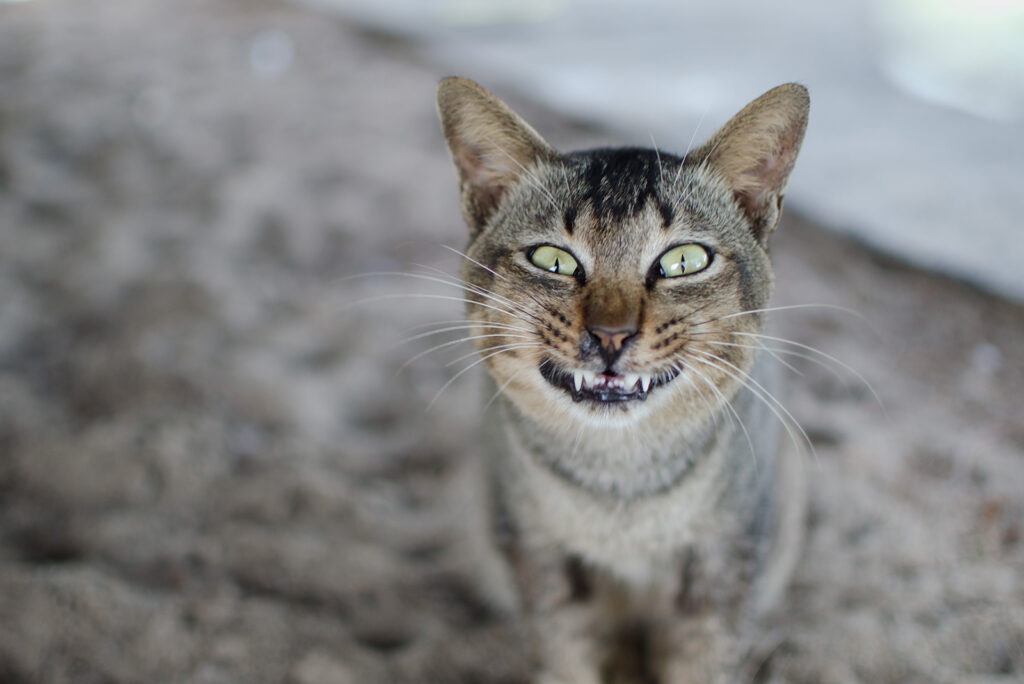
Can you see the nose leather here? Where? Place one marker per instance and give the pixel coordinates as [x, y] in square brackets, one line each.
[610, 341]
[612, 318]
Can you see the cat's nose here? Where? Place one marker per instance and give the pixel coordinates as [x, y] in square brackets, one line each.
[611, 340]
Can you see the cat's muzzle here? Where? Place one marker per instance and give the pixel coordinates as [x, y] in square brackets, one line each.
[604, 386]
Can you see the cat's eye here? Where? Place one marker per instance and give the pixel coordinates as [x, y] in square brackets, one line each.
[554, 260]
[683, 260]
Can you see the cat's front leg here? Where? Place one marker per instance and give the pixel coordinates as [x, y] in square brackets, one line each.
[696, 649]
[567, 648]
[561, 606]
[697, 632]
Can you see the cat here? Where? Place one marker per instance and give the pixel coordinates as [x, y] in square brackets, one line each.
[646, 511]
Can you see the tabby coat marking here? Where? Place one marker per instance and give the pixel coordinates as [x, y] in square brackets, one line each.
[616, 296]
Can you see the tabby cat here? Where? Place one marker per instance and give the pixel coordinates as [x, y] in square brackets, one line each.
[616, 298]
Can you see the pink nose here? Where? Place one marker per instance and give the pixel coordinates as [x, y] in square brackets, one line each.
[611, 339]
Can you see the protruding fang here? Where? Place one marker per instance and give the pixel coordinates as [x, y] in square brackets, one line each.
[604, 387]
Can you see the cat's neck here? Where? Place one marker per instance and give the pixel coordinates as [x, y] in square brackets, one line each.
[646, 457]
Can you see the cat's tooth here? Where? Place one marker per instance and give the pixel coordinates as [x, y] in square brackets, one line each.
[645, 382]
[590, 378]
[629, 380]
[577, 379]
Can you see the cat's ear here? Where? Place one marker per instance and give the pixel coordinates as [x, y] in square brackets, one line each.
[755, 151]
[492, 147]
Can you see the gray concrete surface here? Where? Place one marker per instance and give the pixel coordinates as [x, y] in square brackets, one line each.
[916, 140]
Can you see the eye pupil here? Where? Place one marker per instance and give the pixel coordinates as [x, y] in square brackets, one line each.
[683, 260]
[554, 260]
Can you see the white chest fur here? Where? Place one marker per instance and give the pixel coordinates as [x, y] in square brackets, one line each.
[633, 537]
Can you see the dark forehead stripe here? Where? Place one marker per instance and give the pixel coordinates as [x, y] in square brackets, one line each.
[619, 182]
[667, 212]
[570, 220]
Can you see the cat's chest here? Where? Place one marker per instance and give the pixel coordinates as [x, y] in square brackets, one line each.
[634, 538]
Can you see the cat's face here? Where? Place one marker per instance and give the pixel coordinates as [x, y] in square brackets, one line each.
[617, 282]
[615, 285]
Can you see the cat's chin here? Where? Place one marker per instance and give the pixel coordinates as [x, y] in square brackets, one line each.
[604, 388]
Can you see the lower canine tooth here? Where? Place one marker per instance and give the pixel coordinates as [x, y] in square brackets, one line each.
[577, 379]
[629, 380]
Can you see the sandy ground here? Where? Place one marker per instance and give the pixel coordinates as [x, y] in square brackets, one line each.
[212, 470]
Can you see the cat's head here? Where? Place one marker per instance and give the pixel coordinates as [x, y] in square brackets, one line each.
[617, 284]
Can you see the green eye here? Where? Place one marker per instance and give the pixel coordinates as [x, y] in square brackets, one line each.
[683, 260]
[555, 260]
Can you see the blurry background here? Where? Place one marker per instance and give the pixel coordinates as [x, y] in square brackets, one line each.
[216, 464]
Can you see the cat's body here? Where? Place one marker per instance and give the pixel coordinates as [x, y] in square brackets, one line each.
[616, 297]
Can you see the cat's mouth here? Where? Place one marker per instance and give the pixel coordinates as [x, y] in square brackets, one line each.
[604, 386]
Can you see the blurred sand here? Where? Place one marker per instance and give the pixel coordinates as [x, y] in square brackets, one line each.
[211, 469]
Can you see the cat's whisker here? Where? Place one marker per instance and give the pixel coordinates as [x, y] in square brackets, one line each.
[477, 288]
[774, 353]
[685, 371]
[500, 347]
[471, 287]
[682, 164]
[423, 295]
[751, 312]
[530, 175]
[474, 261]
[447, 281]
[484, 292]
[791, 307]
[708, 401]
[696, 129]
[828, 357]
[693, 177]
[728, 405]
[657, 155]
[483, 357]
[574, 449]
[699, 309]
[467, 323]
[480, 336]
[462, 283]
[565, 178]
[451, 343]
[746, 380]
[456, 281]
[442, 278]
[735, 415]
[759, 391]
[460, 325]
[501, 389]
[502, 332]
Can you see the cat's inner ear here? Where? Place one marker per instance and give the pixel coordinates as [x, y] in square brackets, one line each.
[755, 151]
[491, 145]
